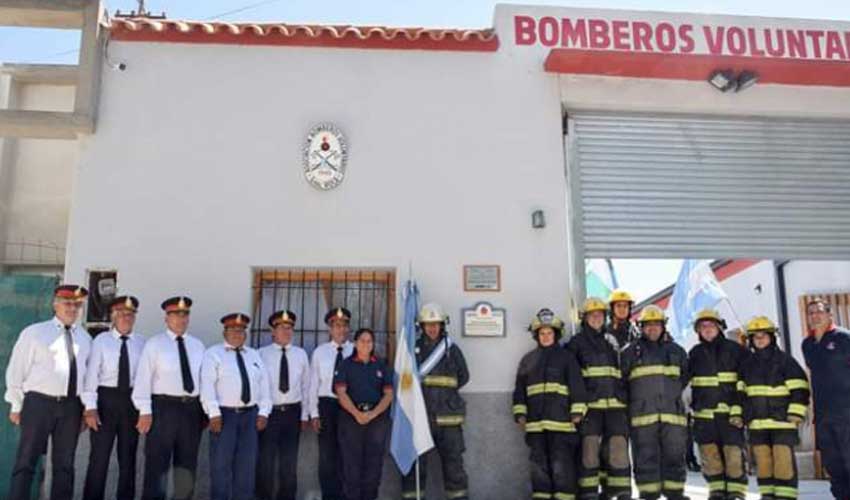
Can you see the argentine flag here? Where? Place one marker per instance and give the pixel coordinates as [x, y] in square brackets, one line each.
[697, 288]
[411, 435]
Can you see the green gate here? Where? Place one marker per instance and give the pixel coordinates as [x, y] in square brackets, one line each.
[24, 299]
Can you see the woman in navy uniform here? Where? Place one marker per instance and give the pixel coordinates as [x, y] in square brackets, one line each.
[364, 387]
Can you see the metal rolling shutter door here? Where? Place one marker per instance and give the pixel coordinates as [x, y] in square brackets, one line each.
[657, 186]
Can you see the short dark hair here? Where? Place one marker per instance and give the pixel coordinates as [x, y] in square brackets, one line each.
[816, 301]
[361, 331]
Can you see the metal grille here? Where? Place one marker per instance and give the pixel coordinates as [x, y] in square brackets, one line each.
[838, 302]
[368, 293]
[655, 186]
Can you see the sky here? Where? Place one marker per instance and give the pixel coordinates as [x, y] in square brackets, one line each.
[58, 46]
[643, 277]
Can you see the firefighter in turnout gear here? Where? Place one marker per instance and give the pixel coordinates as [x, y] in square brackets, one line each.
[619, 326]
[655, 370]
[443, 372]
[606, 421]
[620, 305]
[776, 401]
[548, 403]
[717, 406]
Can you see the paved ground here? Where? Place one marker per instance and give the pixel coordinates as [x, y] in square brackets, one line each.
[809, 490]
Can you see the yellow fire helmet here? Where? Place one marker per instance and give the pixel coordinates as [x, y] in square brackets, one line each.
[619, 295]
[760, 324]
[709, 314]
[593, 304]
[545, 317]
[651, 313]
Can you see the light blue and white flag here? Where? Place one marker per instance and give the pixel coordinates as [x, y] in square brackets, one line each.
[600, 278]
[411, 435]
[697, 288]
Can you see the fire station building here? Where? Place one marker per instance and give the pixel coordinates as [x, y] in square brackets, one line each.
[260, 166]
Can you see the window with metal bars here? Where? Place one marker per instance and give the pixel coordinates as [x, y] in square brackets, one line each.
[839, 303]
[368, 293]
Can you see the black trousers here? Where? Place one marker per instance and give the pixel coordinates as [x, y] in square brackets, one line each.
[659, 457]
[277, 467]
[330, 459]
[596, 430]
[118, 418]
[449, 445]
[833, 441]
[44, 417]
[363, 448]
[173, 441]
[554, 472]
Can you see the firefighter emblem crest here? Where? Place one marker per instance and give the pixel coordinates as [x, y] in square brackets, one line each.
[325, 156]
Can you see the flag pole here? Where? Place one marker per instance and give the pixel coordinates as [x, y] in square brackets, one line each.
[418, 490]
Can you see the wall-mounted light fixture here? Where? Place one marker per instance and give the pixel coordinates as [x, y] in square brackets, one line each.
[746, 79]
[538, 219]
[725, 80]
[722, 79]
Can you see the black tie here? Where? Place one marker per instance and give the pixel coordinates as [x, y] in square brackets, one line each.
[124, 366]
[72, 363]
[283, 385]
[243, 374]
[338, 358]
[185, 371]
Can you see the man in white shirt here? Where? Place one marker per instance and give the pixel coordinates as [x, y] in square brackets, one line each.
[110, 413]
[324, 407]
[166, 389]
[235, 396]
[289, 377]
[44, 380]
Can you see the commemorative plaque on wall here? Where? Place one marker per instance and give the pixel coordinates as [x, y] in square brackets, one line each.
[482, 278]
[483, 320]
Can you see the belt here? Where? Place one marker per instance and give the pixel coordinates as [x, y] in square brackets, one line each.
[238, 409]
[365, 406]
[287, 407]
[114, 390]
[50, 397]
[174, 399]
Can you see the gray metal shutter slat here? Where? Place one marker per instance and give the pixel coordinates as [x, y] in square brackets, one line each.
[654, 186]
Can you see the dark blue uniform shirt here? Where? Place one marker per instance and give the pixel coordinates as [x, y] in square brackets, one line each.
[364, 381]
[829, 362]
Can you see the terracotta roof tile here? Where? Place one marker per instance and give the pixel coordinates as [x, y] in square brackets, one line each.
[307, 35]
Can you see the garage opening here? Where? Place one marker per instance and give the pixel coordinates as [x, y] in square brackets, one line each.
[675, 186]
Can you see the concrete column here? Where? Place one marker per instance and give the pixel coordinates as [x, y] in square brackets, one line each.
[8, 157]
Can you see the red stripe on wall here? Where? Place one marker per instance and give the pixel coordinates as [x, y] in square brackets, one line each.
[696, 67]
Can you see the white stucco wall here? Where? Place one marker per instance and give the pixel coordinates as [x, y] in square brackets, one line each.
[194, 177]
